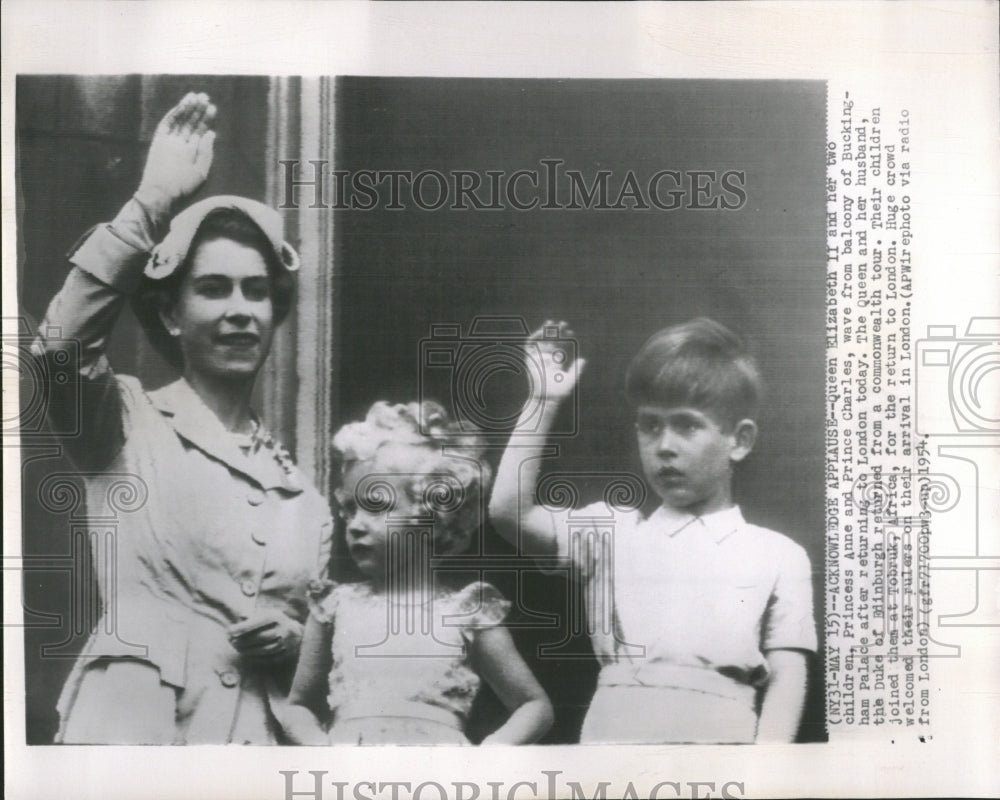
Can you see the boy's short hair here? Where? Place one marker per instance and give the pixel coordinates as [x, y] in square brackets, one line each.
[698, 363]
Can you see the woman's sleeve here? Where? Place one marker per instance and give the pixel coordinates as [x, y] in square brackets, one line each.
[84, 403]
[324, 561]
[480, 606]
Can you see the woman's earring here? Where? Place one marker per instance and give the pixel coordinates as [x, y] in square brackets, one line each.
[174, 332]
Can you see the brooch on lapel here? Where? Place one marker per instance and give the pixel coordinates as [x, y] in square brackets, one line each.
[266, 440]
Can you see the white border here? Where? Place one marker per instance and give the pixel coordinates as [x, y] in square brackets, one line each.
[940, 60]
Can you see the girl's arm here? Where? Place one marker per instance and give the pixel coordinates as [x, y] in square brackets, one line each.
[513, 510]
[784, 696]
[309, 686]
[107, 267]
[497, 661]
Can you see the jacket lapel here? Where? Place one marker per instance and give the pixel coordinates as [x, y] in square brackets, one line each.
[195, 423]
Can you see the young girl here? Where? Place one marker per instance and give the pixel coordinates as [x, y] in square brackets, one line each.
[397, 659]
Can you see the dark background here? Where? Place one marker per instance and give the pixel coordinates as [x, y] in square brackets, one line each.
[616, 276]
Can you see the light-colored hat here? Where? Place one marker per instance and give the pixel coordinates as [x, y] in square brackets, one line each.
[169, 254]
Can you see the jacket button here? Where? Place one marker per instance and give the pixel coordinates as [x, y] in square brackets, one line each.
[229, 679]
[258, 537]
[249, 588]
[255, 497]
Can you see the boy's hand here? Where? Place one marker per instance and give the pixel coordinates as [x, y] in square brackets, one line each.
[180, 154]
[559, 372]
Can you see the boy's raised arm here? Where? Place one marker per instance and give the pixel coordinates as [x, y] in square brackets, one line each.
[513, 510]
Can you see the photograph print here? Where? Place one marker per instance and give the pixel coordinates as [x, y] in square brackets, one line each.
[432, 411]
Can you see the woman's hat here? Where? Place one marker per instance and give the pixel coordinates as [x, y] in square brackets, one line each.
[169, 254]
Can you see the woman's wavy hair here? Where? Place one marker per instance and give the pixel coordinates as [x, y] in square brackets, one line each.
[445, 466]
[154, 296]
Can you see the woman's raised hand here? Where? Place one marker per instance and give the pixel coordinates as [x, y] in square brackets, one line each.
[552, 347]
[180, 154]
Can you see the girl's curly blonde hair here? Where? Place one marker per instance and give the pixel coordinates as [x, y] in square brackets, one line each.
[445, 465]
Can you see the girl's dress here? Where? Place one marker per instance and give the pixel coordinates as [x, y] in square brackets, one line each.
[400, 672]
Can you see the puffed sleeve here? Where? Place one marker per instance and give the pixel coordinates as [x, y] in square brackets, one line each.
[479, 606]
[789, 622]
[322, 594]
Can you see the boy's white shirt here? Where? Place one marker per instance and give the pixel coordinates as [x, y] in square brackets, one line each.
[693, 594]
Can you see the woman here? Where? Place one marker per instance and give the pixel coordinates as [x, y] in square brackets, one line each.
[200, 629]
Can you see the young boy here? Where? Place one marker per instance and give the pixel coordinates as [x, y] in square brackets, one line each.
[692, 612]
